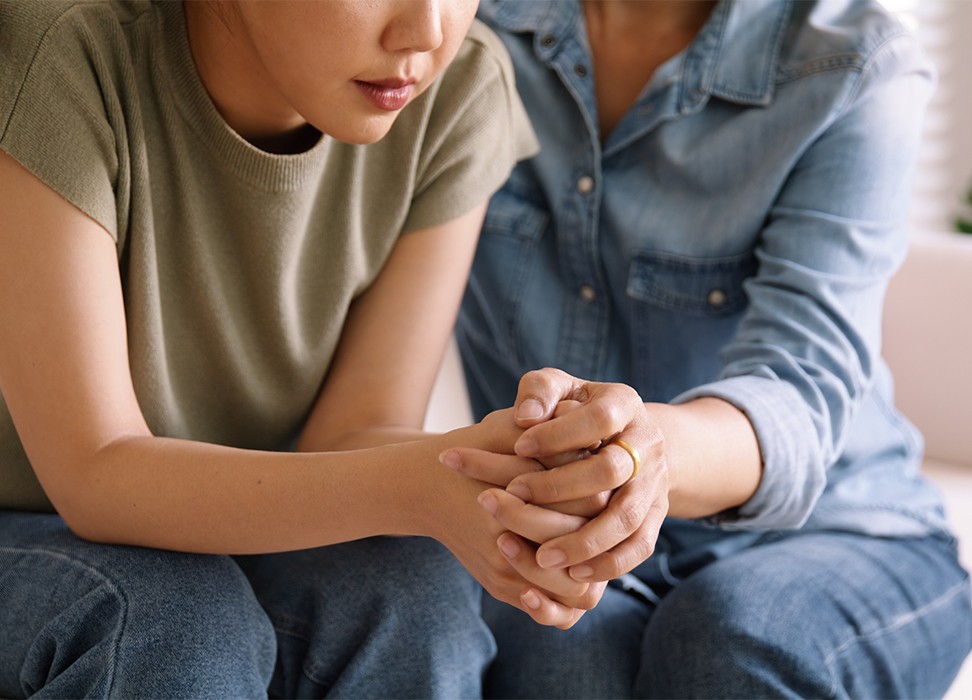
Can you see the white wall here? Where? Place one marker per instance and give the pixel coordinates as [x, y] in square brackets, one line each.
[449, 406]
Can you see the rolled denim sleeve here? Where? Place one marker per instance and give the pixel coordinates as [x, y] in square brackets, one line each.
[805, 353]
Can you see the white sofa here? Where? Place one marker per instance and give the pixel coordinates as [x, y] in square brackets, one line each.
[928, 343]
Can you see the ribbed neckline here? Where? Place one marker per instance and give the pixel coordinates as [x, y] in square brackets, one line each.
[267, 171]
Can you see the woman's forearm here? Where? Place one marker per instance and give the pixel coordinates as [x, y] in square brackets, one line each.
[191, 496]
[360, 439]
[713, 456]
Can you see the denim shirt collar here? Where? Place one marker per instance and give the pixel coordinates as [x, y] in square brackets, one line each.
[734, 57]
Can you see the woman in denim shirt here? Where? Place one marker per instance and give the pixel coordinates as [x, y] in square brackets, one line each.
[702, 248]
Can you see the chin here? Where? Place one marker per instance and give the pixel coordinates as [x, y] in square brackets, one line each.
[365, 132]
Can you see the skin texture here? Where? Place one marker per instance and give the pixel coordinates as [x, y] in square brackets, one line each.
[272, 68]
[64, 360]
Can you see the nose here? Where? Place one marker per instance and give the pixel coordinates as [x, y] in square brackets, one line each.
[416, 26]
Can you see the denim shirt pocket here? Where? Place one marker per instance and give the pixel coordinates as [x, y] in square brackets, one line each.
[683, 311]
[505, 258]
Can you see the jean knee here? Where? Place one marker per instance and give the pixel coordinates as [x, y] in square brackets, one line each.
[403, 605]
[131, 621]
[420, 582]
[202, 609]
[708, 638]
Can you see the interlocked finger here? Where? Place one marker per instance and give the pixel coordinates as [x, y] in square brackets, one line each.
[486, 466]
[624, 516]
[625, 556]
[522, 557]
[534, 523]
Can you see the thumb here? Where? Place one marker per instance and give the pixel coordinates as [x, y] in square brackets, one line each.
[539, 393]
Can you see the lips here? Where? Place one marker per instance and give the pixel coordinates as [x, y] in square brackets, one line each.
[389, 95]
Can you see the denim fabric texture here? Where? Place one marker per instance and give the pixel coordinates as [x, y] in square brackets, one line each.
[733, 236]
[809, 615]
[377, 618]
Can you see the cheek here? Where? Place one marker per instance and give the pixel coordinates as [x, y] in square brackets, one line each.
[457, 17]
[461, 14]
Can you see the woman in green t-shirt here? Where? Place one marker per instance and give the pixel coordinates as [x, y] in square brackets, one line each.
[233, 243]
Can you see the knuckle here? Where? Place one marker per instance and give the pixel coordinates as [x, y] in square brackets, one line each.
[629, 517]
[631, 395]
[644, 548]
[533, 375]
[589, 600]
[601, 500]
[544, 487]
[587, 547]
[614, 564]
[591, 506]
[604, 415]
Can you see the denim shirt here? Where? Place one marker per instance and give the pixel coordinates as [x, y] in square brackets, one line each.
[732, 237]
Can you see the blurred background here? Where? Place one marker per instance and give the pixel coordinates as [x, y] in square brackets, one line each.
[945, 170]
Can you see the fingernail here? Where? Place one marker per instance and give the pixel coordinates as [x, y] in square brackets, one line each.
[450, 458]
[549, 558]
[509, 546]
[581, 572]
[529, 410]
[526, 446]
[531, 600]
[488, 502]
[520, 490]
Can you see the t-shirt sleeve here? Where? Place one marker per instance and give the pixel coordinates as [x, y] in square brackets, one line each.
[477, 132]
[53, 115]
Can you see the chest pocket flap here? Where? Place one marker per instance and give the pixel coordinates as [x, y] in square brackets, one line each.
[697, 286]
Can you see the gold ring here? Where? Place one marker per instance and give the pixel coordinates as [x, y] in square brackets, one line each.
[634, 457]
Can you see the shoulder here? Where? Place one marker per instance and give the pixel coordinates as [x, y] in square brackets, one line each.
[64, 86]
[76, 41]
[851, 35]
[482, 57]
[27, 26]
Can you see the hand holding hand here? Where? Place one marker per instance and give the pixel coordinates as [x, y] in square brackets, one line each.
[500, 469]
[624, 533]
[503, 562]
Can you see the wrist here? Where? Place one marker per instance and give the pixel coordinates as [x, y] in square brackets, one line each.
[712, 455]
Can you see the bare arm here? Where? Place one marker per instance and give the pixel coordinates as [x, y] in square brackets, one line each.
[65, 376]
[393, 342]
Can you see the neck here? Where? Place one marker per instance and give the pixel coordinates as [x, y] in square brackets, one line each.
[629, 40]
[238, 84]
[667, 16]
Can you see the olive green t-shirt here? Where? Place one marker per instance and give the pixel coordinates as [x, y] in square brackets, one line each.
[238, 266]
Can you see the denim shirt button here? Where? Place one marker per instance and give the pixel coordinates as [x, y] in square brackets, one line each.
[717, 297]
[587, 293]
[580, 70]
[585, 184]
[548, 40]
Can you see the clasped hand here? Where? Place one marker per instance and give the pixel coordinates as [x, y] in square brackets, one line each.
[566, 498]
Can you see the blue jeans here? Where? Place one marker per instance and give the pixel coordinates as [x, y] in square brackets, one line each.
[811, 615]
[385, 617]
